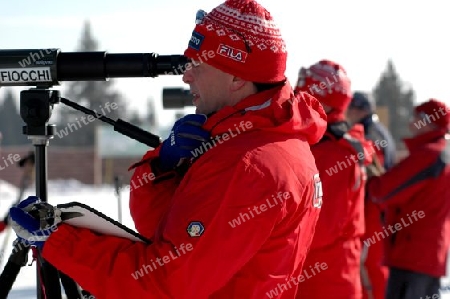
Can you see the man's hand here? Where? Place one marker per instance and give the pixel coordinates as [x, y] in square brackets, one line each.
[375, 168]
[185, 137]
[33, 221]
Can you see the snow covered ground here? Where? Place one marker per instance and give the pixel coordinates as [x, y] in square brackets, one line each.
[103, 199]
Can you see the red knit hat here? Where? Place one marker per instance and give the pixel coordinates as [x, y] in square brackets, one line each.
[328, 82]
[240, 37]
[435, 111]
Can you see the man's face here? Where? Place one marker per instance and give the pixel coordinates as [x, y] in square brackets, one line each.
[209, 86]
[354, 115]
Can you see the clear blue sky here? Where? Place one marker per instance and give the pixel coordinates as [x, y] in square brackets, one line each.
[360, 35]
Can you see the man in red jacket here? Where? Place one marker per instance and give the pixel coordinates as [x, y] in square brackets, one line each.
[416, 199]
[373, 273]
[341, 157]
[229, 201]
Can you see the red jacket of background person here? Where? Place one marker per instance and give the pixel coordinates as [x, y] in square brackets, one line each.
[340, 227]
[416, 199]
[344, 178]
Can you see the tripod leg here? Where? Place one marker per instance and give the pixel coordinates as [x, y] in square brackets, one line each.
[49, 278]
[70, 287]
[50, 275]
[5, 243]
[16, 261]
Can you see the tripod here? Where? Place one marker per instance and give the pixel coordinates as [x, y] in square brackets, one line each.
[36, 106]
[35, 109]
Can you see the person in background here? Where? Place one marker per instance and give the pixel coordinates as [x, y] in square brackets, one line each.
[373, 273]
[362, 111]
[232, 204]
[27, 165]
[3, 225]
[341, 157]
[416, 199]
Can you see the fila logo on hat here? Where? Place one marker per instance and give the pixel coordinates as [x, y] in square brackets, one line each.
[233, 53]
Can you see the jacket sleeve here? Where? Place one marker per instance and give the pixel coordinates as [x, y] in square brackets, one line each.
[150, 194]
[178, 265]
[400, 182]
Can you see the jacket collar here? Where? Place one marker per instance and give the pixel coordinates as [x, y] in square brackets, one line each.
[259, 104]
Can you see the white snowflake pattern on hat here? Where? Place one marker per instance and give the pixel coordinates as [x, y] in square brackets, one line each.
[249, 19]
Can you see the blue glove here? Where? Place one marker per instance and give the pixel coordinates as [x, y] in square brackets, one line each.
[186, 136]
[33, 221]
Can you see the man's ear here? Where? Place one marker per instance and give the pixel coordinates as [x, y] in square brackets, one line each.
[237, 83]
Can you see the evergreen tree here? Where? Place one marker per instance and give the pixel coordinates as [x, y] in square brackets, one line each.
[390, 92]
[135, 119]
[10, 122]
[96, 95]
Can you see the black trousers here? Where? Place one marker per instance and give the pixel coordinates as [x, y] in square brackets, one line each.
[405, 284]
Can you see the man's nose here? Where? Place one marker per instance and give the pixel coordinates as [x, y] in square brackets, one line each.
[187, 76]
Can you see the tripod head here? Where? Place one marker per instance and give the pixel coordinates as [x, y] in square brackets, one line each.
[36, 106]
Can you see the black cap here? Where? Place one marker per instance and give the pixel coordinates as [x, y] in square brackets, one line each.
[362, 101]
